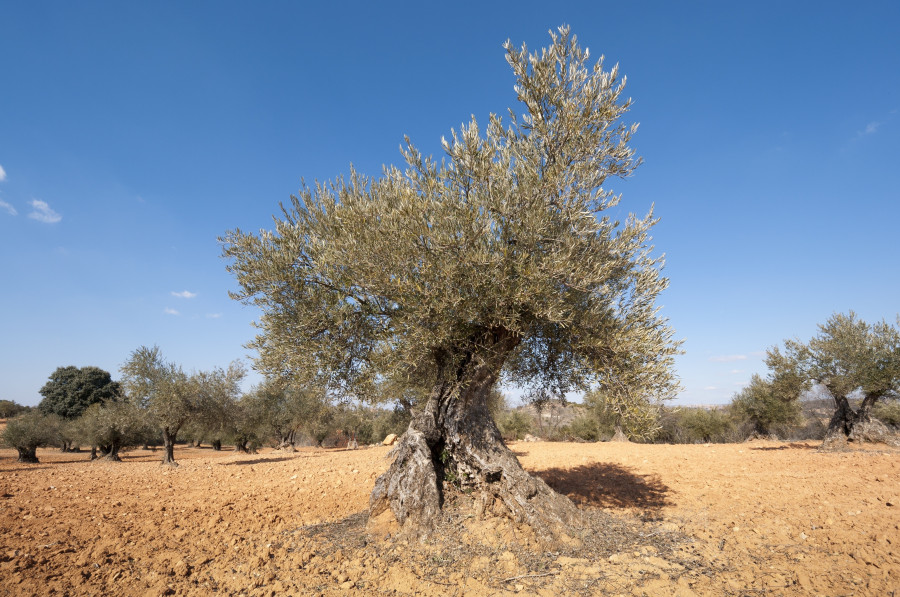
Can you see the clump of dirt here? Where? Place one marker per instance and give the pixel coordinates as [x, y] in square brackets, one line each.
[762, 517]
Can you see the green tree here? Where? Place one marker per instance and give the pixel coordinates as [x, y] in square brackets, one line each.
[29, 431]
[515, 423]
[112, 426]
[10, 408]
[71, 390]
[848, 356]
[623, 404]
[501, 260]
[171, 397]
[768, 404]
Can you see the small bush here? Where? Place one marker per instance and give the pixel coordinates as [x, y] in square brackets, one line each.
[888, 412]
[583, 427]
[514, 424]
[698, 426]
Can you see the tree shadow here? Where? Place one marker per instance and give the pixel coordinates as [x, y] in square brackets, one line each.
[790, 446]
[604, 485]
[257, 461]
[26, 467]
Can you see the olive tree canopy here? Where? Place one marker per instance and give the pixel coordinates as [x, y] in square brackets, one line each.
[850, 358]
[497, 261]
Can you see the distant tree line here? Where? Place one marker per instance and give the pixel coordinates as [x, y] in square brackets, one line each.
[157, 403]
[844, 384]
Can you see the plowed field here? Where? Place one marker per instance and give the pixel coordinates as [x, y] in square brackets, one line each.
[759, 518]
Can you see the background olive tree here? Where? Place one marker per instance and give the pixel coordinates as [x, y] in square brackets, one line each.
[29, 431]
[171, 397]
[848, 357]
[499, 261]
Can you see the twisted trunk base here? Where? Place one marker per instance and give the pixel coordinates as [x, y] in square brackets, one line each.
[857, 426]
[27, 454]
[454, 441]
[169, 436]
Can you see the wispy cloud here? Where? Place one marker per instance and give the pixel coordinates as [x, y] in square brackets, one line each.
[735, 371]
[871, 128]
[9, 208]
[710, 388]
[213, 315]
[184, 294]
[169, 311]
[43, 212]
[2, 174]
[728, 358]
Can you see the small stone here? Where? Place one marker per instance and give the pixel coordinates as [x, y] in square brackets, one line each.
[389, 439]
[347, 585]
[892, 501]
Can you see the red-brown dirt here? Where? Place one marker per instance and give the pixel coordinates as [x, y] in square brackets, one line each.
[760, 518]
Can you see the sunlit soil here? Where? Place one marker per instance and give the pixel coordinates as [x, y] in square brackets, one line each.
[759, 518]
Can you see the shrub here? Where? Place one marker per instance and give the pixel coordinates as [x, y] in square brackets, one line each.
[770, 410]
[583, 427]
[514, 424]
[888, 412]
[698, 425]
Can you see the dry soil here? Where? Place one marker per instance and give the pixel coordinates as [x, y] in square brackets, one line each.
[759, 518]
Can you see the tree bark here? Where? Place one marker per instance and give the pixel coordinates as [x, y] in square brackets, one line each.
[112, 454]
[217, 445]
[454, 440]
[27, 454]
[169, 446]
[847, 424]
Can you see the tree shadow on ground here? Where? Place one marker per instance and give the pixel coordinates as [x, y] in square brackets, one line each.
[604, 485]
[258, 461]
[790, 446]
[25, 467]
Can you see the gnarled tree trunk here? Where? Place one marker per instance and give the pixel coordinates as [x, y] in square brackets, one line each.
[454, 439]
[847, 424]
[27, 454]
[112, 454]
[169, 446]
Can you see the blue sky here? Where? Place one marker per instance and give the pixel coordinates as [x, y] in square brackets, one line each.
[132, 135]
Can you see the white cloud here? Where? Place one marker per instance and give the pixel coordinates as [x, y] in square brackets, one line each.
[735, 371]
[169, 311]
[12, 210]
[2, 174]
[43, 212]
[185, 294]
[710, 388]
[728, 358]
[872, 128]
[213, 315]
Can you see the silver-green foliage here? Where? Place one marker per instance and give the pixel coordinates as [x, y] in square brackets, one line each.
[370, 278]
[847, 356]
[768, 404]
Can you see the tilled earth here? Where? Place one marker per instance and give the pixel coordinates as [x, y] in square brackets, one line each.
[759, 518]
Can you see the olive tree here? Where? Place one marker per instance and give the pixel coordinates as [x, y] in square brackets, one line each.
[499, 261]
[171, 397]
[849, 357]
[29, 431]
[768, 404]
[112, 426]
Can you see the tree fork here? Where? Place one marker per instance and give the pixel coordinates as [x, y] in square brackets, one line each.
[455, 440]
